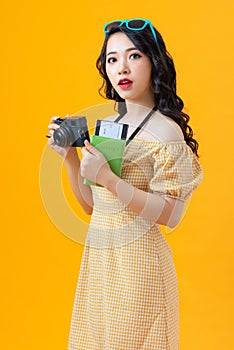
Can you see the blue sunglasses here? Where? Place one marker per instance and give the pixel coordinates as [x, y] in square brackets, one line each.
[131, 24]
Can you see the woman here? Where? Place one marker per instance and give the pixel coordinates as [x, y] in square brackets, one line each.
[126, 296]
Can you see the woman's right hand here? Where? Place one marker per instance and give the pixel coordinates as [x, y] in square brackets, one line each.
[63, 151]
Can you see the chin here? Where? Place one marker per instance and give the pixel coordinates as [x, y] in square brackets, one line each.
[126, 95]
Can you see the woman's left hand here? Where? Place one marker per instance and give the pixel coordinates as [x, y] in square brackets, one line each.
[94, 166]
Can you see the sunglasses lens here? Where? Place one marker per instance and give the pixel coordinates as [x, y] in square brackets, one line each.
[136, 24]
[132, 24]
[111, 25]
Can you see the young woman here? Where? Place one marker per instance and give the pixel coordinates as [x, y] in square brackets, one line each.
[126, 295]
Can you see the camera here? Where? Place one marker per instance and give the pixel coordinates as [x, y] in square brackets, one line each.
[72, 132]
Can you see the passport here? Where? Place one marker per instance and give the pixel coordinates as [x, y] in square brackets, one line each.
[113, 151]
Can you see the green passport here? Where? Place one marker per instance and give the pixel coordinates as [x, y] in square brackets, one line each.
[113, 151]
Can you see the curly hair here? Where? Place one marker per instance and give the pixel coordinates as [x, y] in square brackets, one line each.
[163, 79]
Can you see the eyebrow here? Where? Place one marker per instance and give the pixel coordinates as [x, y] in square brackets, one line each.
[127, 50]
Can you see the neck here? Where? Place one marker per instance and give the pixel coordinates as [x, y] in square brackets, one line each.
[137, 110]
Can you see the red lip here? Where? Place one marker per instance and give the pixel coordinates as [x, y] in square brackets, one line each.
[125, 83]
[122, 81]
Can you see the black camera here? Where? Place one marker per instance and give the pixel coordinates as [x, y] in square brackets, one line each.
[72, 132]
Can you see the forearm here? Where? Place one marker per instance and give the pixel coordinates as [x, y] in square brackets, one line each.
[81, 191]
[151, 206]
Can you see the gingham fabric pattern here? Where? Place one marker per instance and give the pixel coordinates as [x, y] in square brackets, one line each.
[126, 296]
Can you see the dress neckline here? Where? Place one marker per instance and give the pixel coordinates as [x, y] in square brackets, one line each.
[159, 142]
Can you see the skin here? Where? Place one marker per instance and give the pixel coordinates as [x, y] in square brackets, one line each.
[123, 61]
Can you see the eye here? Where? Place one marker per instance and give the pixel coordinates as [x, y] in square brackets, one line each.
[111, 60]
[135, 56]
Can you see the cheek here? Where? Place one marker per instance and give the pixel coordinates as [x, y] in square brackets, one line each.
[147, 73]
[142, 67]
[110, 73]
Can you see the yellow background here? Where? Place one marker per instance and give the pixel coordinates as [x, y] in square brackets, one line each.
[48, 53]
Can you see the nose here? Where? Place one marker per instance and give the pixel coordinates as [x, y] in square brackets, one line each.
[123, 67]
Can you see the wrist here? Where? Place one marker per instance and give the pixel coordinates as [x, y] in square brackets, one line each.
[110, 181]
[71, 156]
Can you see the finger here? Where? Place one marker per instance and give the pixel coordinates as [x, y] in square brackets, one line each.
[67, 116]
[53, 126]
[90, 148]
[84, 152]
[54, 118]
[51, 141]
[87, 144]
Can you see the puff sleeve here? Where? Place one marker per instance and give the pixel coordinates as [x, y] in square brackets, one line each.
[176, 171]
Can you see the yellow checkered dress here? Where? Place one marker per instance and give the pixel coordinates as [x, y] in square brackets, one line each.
[126, 297]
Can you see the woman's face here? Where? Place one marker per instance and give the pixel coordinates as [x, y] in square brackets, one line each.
[129, 70]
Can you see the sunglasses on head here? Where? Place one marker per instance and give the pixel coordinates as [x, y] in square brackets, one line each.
[131, 24]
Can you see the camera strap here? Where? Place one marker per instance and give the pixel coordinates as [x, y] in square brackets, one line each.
[140, 126]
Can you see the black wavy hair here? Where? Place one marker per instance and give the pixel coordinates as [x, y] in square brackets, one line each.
[163, 78]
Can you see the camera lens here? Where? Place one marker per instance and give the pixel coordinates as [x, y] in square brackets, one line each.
[63, 137]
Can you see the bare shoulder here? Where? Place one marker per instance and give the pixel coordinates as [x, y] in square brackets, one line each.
[159, 128]
[164, 129]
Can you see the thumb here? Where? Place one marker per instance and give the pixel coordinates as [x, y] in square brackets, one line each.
[89, 147]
